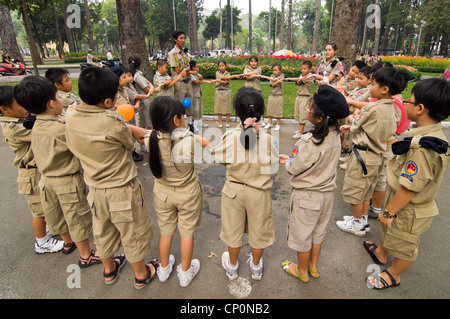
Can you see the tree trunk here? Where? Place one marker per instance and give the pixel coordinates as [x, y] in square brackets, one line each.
[131, 33]
[387, 28]
[345, 22]
[316, 26]
[58, 32]
[228, 28]
[192, 26]
[250, 42]
[282, 26]
[8, 35]
[35, 58]
[68, 32]
[289, 30]
[364, 39]
[89, 26]
[377, 35]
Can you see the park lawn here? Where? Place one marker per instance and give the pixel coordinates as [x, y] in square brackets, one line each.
[289, 88]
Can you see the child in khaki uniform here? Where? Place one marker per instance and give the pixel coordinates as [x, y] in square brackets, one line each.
[163, 79]
[251, 157]
[275, 102]
[370, 134]
[101, 139]
[414, 178]
[312, 166]
[304, 83]
[63, 192]
[60, 78]
[177, 193]
[222, 97]
[197, 81]
[19, 139]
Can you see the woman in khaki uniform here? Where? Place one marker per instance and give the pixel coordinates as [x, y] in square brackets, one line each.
[251, 157]
[328, 70]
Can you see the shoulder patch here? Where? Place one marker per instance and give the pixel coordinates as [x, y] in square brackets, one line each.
[411, 168]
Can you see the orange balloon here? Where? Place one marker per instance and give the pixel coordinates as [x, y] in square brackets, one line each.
[126, 110]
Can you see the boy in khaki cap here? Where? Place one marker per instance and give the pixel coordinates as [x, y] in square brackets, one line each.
[414, 177]
[103, 141]
[12, 119]
[62, 189]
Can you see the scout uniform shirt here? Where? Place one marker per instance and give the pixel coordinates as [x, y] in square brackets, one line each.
[123, 97]
[221, 86]
[49, 145]
[312, 166]
[255, 82]
[19, 139]
[304, 88]
[348, 85]
[177, 157]
[325, 69]
[68, 99]
[361, 94]
[178, 59]
[420, 170]
[375, 126]
[102, 141]
[251, 167]
[159, 79]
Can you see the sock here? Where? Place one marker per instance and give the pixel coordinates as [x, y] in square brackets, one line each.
[41, 241]
[189, 118]
[376, 210]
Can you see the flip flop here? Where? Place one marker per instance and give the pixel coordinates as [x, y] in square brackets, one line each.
[379, 280]
[370, 247]
[314, 273]
[285, 265]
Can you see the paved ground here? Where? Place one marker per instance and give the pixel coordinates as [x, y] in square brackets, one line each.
[344, 264]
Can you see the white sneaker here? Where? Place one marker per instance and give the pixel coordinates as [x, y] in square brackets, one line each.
[187, 276]
[366, 225]
[227, 125]
[277, 128]
[142, 148]
[232, 272]
[204, 125]
[349, 226]
[51, 245]
[219, 126]
[343, 159]
[164, 273]
[256, 271]
[296, 136]
[263, 124]
[343, 166]
[268, 126]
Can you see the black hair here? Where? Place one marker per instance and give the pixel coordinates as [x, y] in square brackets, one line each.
[366, 71]
[332, 44]
[380, 65]
[308, 63]
[434, 94]
[222, 61]
[6, 95]
[253, 57]
[359, 64]
[192, 64]
[248, 103]
[134, 62]
[160, 63]
[55, 75]
[277, 65]
[395, 79]
[176, 34]
[162, 112]
[321, 130]
[96, 85]
[34, 92]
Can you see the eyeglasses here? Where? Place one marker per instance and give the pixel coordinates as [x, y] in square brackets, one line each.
[410, 102]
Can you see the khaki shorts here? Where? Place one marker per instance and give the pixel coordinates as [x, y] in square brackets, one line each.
[178, 206]
[248, 210]
[144, 119]
[403, 238]
[300, 114]
[381, 183]
[358, 187]
[182, 90]
[65, 206]
[27, 184]
[121, 219]
[309, 215]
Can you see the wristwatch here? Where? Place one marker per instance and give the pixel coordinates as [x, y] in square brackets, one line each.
[386, 214]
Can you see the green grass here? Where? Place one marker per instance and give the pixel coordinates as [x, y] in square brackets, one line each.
[289, 88]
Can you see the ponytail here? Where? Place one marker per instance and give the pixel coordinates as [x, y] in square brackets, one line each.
[154, 158]
[134, 63]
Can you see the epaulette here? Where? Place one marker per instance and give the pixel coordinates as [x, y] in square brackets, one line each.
[116, 115]
[306, 137]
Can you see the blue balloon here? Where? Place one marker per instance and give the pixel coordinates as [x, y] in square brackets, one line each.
[186, 103]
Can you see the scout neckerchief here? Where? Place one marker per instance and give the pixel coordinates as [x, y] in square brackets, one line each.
[184, 65]
[434, 143]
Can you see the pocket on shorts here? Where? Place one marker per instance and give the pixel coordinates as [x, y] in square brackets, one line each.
[354, 190]
[403, 245]
[68, 195]
[24, 185]
[121, 212]
[228, 190]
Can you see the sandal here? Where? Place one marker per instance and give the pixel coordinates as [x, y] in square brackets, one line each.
[69, 248]
[91, 260]
[141, 283]
[314, 273]
[379, 279]
[370, 247]
[285, 264]
[120, 261]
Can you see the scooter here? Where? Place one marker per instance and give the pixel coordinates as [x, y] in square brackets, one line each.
[102, 64]
[7, 69]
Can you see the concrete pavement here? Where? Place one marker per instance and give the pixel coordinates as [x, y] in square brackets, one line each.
[343, 265]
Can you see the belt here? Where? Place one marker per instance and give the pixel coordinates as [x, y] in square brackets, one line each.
[187, 80]
[238, 182]
[28, 166]
[362, 148]
[358, 156]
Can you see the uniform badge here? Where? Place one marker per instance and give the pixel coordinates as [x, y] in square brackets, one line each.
[410, 170]
[294, 151]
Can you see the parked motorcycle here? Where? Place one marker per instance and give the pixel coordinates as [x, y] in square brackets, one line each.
[7, 69]
[102, 64]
